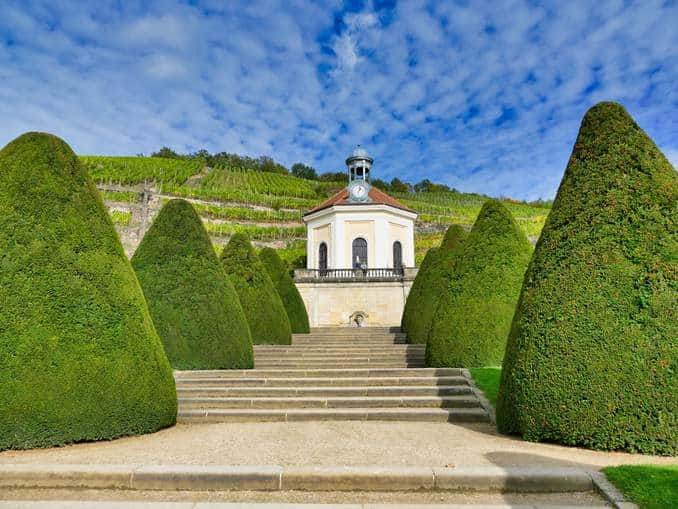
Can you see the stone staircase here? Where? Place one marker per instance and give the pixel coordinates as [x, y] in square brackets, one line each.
[332, 374]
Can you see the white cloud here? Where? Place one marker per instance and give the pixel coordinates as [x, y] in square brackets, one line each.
[487, 98]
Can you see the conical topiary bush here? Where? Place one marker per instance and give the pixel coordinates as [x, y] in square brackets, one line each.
[473, 316]
[291, 298]
[592, 356]
[433, 277]
[194, 306]
[263, 307]
[79, 356]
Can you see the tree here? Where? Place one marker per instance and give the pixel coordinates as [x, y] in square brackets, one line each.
[303, 171]
[592, 354]
[473, 316]
[79, 356]
[432, 279]
[381, 184]
[193, 304]
[167, 153]
[398, 186]
[291, 298]
[338, 176]
[263, 307]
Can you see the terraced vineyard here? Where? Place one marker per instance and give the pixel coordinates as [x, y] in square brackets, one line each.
[266, 206]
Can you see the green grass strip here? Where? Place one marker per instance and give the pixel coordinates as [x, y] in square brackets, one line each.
[487, 380]
[649, 486]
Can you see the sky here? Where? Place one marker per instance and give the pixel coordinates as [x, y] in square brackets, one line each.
[482, 96]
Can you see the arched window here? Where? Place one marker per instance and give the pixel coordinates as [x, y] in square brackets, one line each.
[359, 252]
[322, 257]
[397, 255]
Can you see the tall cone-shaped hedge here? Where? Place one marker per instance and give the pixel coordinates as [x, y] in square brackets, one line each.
[291, 298]
[79, 356]
[473, 316]
[432, 279]
[263, 307]
[193, 304]
[592, 358]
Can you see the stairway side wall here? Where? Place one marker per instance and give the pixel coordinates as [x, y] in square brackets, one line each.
[331, 304]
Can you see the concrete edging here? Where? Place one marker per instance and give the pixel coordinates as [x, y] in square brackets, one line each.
[276, 478]
[484, 402]
[610, 492]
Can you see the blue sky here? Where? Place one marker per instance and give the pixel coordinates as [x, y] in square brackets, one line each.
[483, 96]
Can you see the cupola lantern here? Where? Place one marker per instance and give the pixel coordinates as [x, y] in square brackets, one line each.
[359, 164]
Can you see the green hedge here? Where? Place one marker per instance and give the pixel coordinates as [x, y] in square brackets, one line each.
[79, 356]
[263, 307]
[432, 279]
[193, 304]
[291, 298]
[473, 316]
[592, 358]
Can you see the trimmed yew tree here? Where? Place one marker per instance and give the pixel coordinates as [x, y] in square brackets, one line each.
[592, 358]
[79, 356]
[432, 279]
[474, 313]
[291, 298]
[194, 306]
[263, 307]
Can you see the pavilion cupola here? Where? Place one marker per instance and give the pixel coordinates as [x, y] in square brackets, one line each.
[359, 164]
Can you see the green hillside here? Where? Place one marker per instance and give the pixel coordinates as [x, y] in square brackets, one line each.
[235, 196]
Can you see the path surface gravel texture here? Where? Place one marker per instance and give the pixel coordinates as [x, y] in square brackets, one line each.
[328, 444]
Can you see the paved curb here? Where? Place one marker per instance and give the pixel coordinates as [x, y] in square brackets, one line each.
[238, 505]
[610, 492]
[276, 478]
[484, 402]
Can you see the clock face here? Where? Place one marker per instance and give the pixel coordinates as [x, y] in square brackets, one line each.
[359, 191]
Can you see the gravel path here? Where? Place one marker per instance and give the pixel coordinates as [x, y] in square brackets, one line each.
[327, 444]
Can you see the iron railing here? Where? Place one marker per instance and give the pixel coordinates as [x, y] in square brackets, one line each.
[392, 274]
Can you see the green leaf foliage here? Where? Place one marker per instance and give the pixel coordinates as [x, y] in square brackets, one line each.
[193, 304]
[592, 356]
[263, 306]
[432, 279]
[474, 313]
[291, 298]
[79, 356]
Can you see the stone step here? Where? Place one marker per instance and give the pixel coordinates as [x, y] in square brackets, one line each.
[351, 330]
[339, 365]
[341, 348]
[299, 357]
[324, 391]
[404, 381]
[331, 373]
[331, 402]
[335, 414]
[345, 342]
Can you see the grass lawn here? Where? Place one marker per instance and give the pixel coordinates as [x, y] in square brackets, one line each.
[651, 487]
[487, 380]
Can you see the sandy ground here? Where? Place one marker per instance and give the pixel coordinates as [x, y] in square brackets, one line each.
[301, 497]
[328, 444]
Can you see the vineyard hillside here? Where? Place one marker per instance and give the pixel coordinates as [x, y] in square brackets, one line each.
[266, 206]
